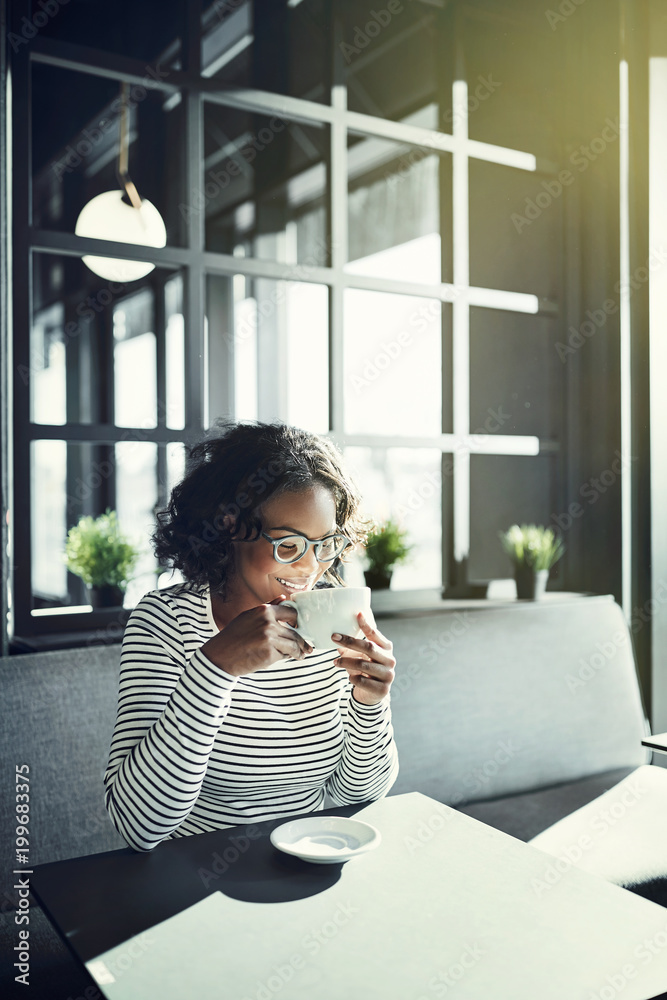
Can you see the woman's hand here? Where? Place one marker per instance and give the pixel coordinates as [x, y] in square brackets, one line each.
[255, 639]
[369, 662]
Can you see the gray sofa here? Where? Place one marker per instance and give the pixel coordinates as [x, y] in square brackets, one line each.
[516, 715]
[58, 712]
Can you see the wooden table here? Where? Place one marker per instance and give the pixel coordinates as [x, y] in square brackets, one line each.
[445, 906]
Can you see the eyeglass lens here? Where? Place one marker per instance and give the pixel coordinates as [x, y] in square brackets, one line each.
[294, 547]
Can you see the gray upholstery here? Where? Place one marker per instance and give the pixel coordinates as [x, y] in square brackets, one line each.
[481, 706]
[525, 815]
[482, 714]
[54, 972]
[58, 713]
[490, 702]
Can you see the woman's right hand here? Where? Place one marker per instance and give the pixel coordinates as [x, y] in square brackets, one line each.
[255, 639]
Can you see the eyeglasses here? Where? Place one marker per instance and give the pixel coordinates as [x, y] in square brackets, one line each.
[292, 547]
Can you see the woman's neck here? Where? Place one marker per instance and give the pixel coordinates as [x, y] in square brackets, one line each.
[224, 609]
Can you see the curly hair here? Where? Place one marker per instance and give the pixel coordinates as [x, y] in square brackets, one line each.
[234, 473]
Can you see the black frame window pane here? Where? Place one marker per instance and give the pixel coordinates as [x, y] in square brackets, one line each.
[49, 523]
[47, 372]
[406, 485]
[70, 480]
[105, 352]
[76, 137]
[175, 466]
[279, 47]
[271, 339]
[264, 187]
[392, 58]
[70, 338]
[119, 27]
[499, 59]
[506, 490]
[174, 351]
[394, 211]
[517, 379]
[393, 365]
[172, 459]
[136, 481]
[508, 250]
[135, 361]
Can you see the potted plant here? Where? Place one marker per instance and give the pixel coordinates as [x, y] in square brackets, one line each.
[385, 547]
[102, 556]
[533, 551]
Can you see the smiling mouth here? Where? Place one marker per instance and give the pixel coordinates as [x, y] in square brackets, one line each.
[292, 584]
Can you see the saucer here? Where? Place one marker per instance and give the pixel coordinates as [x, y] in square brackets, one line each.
[325, 840]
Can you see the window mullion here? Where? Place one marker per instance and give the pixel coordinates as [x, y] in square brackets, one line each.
[193, 298]
[338, 234]
[20, 526]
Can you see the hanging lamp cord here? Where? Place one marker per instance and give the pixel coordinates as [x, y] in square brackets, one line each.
[123, 154]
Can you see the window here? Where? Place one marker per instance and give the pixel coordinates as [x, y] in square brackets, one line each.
[338, 195]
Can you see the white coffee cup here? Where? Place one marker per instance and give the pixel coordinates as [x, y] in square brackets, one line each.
[330, 609]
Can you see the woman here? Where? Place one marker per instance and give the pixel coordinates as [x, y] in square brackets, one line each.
[225, 714]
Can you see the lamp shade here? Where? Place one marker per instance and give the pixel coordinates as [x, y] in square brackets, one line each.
[108, 217]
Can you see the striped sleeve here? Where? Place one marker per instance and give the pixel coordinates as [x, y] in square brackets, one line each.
[170, 709]
[369, 763]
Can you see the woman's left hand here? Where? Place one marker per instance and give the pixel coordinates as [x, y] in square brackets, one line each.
[369, 662]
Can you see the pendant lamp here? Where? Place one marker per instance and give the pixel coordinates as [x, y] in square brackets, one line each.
[108, 216]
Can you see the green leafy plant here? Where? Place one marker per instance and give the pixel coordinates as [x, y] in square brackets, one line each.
[533, 546]
[99, 553]
[386, 546]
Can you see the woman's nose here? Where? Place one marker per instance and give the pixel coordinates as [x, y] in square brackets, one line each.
[308, 563]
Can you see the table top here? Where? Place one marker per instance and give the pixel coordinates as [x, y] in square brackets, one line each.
[445, 901]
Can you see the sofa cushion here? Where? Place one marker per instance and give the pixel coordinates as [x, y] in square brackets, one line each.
[497, 701]
[621, 835]
[525, 815]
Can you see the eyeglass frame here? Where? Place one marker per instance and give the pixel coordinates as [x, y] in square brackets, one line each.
[317, 544]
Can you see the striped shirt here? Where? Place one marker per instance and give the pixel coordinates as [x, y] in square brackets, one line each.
[196, 749]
